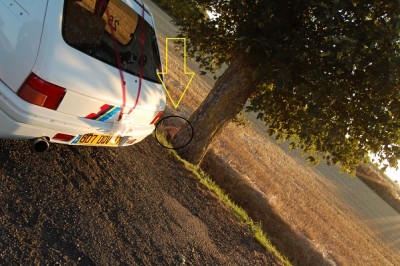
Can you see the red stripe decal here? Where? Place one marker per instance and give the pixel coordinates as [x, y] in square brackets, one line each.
[102, 110]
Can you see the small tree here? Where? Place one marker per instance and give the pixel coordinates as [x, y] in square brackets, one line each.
[323, 74]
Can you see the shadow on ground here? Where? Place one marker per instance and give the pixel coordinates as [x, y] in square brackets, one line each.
[294, 246]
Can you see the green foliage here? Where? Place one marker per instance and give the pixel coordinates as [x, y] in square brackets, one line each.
[327, 72]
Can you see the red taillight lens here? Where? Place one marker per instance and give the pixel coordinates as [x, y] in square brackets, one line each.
[157, 117]
[63, 137]
[40, 92]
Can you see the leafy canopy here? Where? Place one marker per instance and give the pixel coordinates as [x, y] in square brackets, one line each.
[327, 72]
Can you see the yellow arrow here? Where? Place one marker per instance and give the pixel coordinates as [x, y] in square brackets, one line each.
[161, 74]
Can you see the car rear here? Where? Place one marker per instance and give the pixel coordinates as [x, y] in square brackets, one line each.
[94, 79]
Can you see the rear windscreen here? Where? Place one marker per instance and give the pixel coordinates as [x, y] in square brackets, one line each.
[111, 31]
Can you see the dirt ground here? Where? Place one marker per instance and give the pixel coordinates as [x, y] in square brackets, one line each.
[130, 206]
[77, 205]
[135, 205]
[313, 215]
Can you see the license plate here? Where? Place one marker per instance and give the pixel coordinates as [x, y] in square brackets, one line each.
[98, 140]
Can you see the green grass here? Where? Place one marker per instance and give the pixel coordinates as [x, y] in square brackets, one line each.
[241, 214]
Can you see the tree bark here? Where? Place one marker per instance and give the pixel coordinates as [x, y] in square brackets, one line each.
[225, 100]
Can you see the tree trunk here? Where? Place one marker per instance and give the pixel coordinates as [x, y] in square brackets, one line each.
[225, 100]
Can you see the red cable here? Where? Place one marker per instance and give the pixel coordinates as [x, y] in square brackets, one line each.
[119, 63]
[142, 41]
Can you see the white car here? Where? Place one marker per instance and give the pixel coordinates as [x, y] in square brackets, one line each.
[78, 72]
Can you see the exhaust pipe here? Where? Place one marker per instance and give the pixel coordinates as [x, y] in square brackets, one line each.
[40, 144]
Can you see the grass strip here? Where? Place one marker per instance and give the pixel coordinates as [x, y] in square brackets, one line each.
[240, 213]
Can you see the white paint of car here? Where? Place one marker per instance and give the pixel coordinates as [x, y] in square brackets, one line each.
[31, 41]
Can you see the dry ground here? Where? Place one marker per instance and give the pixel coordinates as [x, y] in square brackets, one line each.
[98, 206]
[314, 215]
[79, 205]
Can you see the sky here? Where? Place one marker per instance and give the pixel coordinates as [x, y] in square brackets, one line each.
[390, 172]
[393, 174]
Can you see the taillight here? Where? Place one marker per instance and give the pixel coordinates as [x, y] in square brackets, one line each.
[158, 116]
[63, 137]
[40, 92]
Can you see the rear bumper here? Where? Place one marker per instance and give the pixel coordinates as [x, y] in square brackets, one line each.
[21, 120]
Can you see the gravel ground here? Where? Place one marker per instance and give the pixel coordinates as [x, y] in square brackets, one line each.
[135, 205]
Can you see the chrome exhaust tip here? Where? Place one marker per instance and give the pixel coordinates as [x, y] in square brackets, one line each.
[40, 145]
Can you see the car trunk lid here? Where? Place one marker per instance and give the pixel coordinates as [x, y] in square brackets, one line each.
[105, 71]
